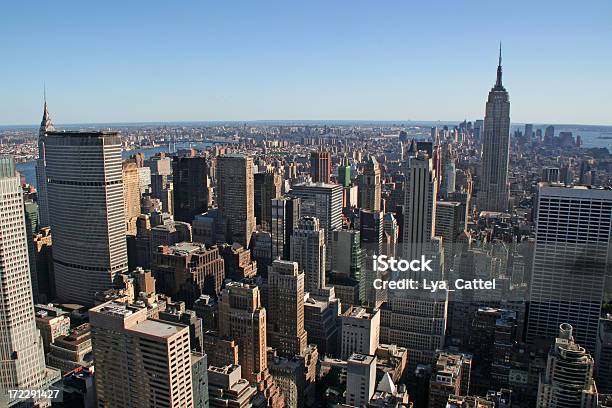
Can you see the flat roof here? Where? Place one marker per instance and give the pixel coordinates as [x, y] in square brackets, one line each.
[157, 328]
[77, 133]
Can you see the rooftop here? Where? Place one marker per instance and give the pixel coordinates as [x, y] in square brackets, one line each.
[157, 328]
[360, 313]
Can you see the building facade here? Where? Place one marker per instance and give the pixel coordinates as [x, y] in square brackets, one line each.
[85, 195]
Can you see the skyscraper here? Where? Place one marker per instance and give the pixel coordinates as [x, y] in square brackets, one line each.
[85, 196]
[529, 132]
[419, 205]
[568, 378]
[493, 193]
[308, 250]
[267, 188]
[344, 172]
[450, 224]
[370, 186]
[243, 319]
[22, 365]
[152, 367]
[323, 201]
[131, 195]
[571, 261]
[320, 167]
[285, 216]
[286, 308]
[41, 171]
[190, 184]
[235, 196]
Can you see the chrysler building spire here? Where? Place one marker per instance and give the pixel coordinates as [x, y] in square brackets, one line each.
[45, 123]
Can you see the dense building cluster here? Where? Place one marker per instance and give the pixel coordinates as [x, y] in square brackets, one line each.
[246, 272]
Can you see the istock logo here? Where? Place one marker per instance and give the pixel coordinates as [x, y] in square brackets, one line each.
[384, 263]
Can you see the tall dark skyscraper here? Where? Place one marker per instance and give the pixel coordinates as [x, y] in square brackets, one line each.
[285, 216]
[190, 187]
[320, 167]
[41, 171]
[267, 186]
[493, 193]
[85, 193]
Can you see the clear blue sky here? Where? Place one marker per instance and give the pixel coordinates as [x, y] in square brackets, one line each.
[125, 61]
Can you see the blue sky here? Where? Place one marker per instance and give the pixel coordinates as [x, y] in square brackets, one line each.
[123, 61]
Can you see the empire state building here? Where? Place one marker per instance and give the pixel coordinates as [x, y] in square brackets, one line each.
[493, 193]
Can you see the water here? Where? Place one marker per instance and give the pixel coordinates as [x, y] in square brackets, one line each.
[591, 137]
[28, 169]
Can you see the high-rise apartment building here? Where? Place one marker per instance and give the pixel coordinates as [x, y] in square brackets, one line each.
[22, 365]
[140, 362]
[190, 187]
[286, 308]
[308, 250]
[41, 171]
[320, 167]
[285, 216]
[571, 261]
[493, 193]
[370, 186]
[568, 378]
[85, 195]
[235, 196]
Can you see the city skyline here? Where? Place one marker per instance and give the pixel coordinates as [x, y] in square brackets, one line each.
[266, 62]
[306, 263]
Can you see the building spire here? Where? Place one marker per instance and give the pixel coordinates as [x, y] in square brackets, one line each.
[498, 83]
[45, 123]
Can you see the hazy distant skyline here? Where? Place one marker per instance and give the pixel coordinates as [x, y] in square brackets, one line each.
[272, 60]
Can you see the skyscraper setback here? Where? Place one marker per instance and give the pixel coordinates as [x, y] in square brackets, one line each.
[493, 193]
[85, 196]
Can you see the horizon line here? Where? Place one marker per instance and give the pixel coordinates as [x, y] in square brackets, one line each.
[298, 122]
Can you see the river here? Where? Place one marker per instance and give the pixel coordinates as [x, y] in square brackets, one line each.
[28, 169]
